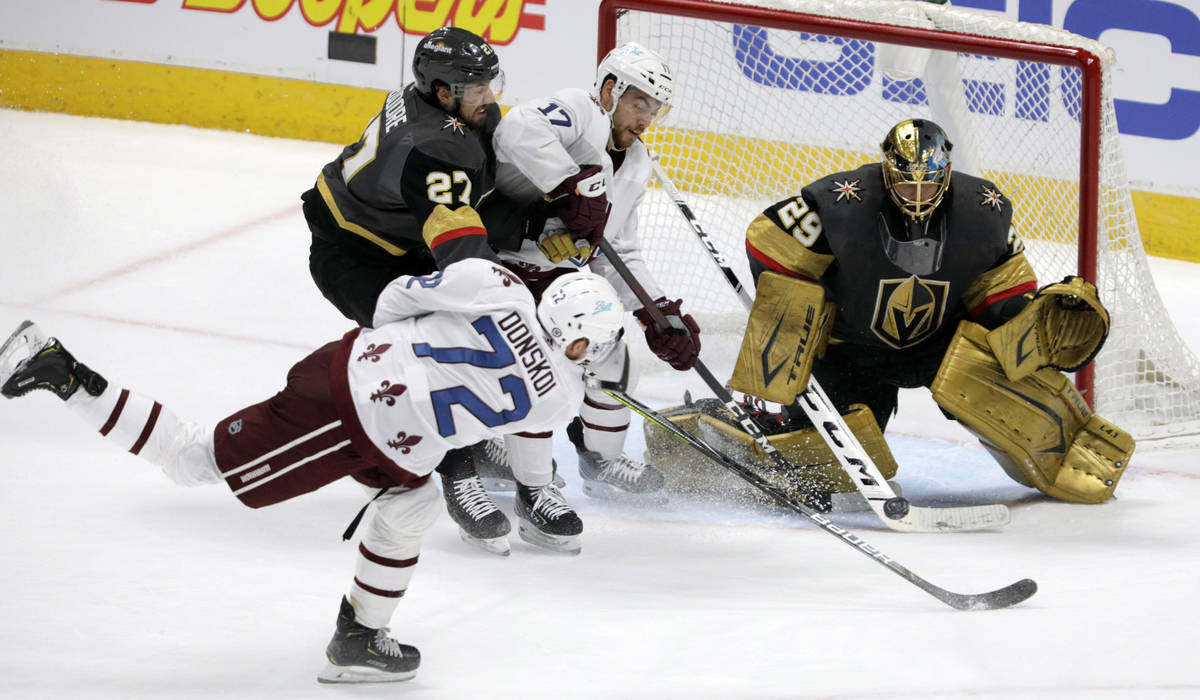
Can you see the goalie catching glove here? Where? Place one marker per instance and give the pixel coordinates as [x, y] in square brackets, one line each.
[679, 345]
[1063, 327]
[581, 201]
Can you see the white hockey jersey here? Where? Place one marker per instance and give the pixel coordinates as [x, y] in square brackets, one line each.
[459, 357]
[542, 142]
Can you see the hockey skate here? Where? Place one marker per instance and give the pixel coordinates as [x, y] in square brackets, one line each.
[479, 521]
[29, 360]
[359, 654]
[617, 478]
[545, 520]
[494, 467]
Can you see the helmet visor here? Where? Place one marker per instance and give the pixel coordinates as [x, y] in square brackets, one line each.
[478, 92]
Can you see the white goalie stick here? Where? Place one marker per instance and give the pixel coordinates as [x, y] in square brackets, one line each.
[1000, 598]
[895, 512]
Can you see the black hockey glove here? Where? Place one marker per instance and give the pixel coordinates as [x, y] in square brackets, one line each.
[679, 345]
[581, 201]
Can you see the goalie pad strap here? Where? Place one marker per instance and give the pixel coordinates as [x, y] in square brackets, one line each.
[788, 328]
[1038, 428]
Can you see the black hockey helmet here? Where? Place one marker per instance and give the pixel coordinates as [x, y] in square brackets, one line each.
[455, 57]
[916, 166]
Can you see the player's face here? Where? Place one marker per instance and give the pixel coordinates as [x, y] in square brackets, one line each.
[917, 191]
[635, 112]
[473, 106]
[577, 349]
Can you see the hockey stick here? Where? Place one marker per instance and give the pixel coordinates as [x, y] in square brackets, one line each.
[1000, 598]
[895, 512]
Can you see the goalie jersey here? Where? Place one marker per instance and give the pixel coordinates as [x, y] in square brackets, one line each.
[542, 142]
[460, 359]
[412, 156]
[839, 229]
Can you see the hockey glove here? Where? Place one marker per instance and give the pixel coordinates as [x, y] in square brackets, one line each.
[558, 246]
[581, 201]
[1063, 327]
[679, 345]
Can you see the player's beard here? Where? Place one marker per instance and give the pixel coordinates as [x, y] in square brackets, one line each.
[623, 137]
[474, 115]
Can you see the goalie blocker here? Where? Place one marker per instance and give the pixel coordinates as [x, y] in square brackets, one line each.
[788, 328]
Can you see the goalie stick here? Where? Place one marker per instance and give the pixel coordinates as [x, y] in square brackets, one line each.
[895, 512]
[1000, 598]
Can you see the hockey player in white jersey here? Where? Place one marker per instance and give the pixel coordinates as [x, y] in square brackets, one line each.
[582, 152]
[456, 357]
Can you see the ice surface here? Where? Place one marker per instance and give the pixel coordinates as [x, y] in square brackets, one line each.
[174, 261]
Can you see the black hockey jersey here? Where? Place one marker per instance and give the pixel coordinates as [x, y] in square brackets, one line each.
[412, 156]
[839, 229]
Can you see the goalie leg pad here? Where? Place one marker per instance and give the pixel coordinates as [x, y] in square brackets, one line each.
[689, 473]
[788, 328]
[1039, 428]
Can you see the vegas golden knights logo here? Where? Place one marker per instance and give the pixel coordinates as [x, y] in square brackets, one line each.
[908, 311]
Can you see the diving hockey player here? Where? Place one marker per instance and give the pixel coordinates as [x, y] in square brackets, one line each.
[582, 153]
[932, 289]
[455, 357]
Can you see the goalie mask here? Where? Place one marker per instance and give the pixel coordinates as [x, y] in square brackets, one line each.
[916, 166]
[458, 58]
[582, 305]
[633, 65]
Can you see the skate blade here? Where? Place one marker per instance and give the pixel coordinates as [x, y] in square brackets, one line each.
[562, 544]
[20, 346]
[494, 545]
[502, 484]
[497, 483]
[608, 492]
[361, 674]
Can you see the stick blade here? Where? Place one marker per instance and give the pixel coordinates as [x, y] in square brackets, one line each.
[952, 519]
[1006, 597]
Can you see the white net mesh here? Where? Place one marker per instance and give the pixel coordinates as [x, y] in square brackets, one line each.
[760, 112]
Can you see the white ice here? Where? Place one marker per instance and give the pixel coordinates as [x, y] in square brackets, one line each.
[174, 261]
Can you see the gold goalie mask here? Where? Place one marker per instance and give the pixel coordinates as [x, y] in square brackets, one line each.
[916, 166]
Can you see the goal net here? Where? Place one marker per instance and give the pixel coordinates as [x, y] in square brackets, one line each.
[773, 94]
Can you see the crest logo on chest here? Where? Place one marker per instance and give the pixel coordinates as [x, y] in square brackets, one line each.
[908, 311]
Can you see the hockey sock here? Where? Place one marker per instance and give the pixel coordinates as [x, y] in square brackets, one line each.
[389, 550]
[604, 424]
[142, 426]
[531, 456]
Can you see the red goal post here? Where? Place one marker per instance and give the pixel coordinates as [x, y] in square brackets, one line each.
[772, 94]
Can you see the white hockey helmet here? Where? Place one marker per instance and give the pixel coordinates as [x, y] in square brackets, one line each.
[632, 64]
[582, 305]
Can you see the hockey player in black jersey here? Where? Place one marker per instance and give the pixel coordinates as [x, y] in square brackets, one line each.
[430, 144]
[903, 274]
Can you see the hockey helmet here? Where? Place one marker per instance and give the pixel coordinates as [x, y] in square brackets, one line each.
[916, 166]
[582, 305]
[633, 65]
[457, 58]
